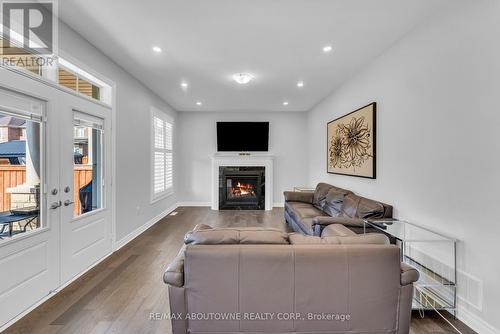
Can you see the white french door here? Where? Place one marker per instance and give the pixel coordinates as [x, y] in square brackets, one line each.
[86, 234]
[29, 262]
[65, 191]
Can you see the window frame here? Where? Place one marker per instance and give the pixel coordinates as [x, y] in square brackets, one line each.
[156, 113]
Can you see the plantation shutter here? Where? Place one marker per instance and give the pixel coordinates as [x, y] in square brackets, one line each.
[162, 155]
[168, 156]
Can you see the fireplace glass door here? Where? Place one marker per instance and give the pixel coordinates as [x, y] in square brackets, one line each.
[242, 188]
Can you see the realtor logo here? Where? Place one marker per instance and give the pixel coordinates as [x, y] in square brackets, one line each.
[28, 27]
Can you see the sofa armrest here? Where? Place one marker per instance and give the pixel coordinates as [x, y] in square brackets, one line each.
[174, 274]
[409, 275]
[298, 196]
[320, 222]
[346, 221]
[337, 230]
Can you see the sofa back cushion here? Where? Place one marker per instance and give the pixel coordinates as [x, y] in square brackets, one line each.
[244, 235]
[370, 209]
[359, 239]
[349, 206]
[320, 193]
[333, 201]
[355, 206]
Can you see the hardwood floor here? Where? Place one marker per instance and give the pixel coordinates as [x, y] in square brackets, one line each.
[119, 294]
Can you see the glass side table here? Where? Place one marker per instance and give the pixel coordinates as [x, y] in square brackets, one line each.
[304, 189]
[433, 255]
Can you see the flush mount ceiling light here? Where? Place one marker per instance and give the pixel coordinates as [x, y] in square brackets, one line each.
[156, 49]
[300, 84]
[242, 78]
[327, 48]
[184, 85]
[285, 103]
[199, 103]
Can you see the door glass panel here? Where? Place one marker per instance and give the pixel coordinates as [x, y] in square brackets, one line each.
[87, 178]
[20, 175]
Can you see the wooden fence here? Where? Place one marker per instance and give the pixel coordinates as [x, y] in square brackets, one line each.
[13, 175]
[81, 177]
[10, 176]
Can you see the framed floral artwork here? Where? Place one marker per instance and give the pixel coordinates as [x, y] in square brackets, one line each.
[351, 143]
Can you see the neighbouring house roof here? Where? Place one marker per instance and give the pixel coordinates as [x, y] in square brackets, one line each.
[12, 121]
[13, 149]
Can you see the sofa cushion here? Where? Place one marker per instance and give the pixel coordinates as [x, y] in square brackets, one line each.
[302, 212]
[369, 238]
[355, 206]
[290, 207]
[243, 235]
[346, 221]
[300, 239]
[349, 206]
[337, 230]
[320, 193]
[306, 225]
[334, 200]
[302, 215]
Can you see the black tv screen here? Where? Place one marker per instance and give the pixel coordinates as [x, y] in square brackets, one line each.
[242, 136]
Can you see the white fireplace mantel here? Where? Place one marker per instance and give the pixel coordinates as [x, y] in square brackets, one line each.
[236, 160]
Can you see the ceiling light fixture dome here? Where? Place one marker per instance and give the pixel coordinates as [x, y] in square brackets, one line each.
[242, 78]
[327, 48]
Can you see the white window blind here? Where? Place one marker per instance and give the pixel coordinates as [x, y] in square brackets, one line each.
[162, 156]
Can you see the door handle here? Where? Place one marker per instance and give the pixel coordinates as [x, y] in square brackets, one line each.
[68, 202]
[55, 205]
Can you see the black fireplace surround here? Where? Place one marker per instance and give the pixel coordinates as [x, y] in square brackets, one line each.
[241, 188]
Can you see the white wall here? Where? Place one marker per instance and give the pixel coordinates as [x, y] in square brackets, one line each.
[438, 153]
[133, 103]
[198, 142]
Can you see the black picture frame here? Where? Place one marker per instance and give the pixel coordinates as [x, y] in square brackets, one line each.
[373, 142]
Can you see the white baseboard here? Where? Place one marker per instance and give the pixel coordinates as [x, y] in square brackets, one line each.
[275, 205]
[134, 234]
[474, 322]
[194, 204]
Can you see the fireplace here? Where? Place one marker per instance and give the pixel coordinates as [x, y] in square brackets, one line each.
[241, 188]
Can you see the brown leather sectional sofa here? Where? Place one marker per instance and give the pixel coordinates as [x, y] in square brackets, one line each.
[309, 213]
[252, 280]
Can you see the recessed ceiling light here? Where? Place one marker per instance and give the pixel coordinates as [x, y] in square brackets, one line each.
[300, 84]
[156, 49]
[199, 103]
[184, 85]
[327, 48]
[285, 103]
[242, 78]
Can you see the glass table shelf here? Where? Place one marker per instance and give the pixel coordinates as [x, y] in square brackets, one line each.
[432, 254]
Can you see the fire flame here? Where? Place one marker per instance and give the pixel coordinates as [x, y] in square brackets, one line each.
[242, 189]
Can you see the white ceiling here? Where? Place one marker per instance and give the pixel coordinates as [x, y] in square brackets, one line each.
[280, 41]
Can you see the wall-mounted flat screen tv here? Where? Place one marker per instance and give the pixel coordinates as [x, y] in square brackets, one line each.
[242, 136]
